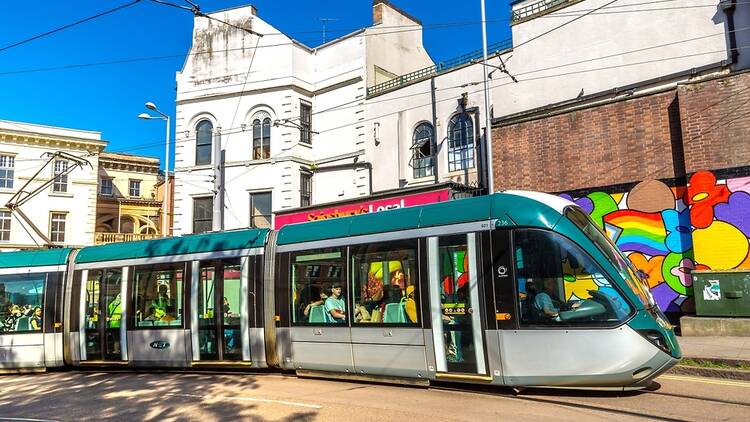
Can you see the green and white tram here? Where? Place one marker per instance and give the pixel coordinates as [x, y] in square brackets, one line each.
[515, 289]
[31, 309]
[172, 302]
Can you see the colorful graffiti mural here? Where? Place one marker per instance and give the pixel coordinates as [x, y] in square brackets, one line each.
[670, 232]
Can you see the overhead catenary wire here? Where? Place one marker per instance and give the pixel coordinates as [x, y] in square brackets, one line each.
[414, 28]
[351, 104]
[70, 25]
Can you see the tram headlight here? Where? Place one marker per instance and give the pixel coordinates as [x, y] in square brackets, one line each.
[655, 338]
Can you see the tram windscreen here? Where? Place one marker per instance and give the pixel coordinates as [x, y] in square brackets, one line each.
[608, 248]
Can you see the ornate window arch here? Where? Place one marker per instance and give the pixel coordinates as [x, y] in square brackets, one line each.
[261, 122]
[204, 133]
[460, 142]
[421, 146]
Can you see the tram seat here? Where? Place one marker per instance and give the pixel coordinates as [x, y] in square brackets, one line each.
[22, 324]
[394, 313]
[317, 314]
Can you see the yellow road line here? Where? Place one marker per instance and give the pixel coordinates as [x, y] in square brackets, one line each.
[732, 383]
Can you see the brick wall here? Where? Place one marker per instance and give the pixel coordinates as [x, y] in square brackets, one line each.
[621, 142]
[715, 117]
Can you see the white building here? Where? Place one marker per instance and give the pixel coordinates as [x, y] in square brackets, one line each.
[384, 116]
[291, 119]
[561, 51]
[65, 211]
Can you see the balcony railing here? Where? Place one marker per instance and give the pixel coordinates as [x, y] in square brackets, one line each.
[437, 69]
[101, 238]
[534, 8]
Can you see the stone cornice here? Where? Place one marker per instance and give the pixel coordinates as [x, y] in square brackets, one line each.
[35, 139]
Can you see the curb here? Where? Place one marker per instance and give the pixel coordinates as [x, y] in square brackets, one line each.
[721, 373]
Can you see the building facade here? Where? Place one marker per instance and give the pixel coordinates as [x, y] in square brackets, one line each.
[658, 160]
[64, 211]
[128, 207]
[259, 101]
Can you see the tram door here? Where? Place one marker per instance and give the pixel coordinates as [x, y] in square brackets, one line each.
[103, 315]
[456, 308]
[220, 308]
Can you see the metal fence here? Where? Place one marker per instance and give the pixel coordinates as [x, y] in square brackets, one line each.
[534, 8]
[438, 68]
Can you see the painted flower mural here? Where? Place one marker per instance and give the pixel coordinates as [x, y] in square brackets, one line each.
[668, 232]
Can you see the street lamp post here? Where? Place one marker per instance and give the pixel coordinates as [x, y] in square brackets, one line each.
[165, 202]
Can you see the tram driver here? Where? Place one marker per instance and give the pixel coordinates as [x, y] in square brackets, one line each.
[545, 303]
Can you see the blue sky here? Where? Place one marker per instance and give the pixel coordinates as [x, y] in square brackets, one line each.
[108, 97]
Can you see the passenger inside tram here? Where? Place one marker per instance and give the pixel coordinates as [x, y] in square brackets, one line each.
[36, 319]
[335, 305]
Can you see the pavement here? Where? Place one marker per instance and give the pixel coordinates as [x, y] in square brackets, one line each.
[717, 357]
[712, 348]
[161, 397]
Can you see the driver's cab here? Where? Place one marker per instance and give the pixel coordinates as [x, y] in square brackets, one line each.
[559, 284]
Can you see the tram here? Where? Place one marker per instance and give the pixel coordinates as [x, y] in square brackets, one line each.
[516, 288]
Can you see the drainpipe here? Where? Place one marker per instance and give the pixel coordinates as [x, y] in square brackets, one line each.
[433, 141]
[479, 152]
[729, 6]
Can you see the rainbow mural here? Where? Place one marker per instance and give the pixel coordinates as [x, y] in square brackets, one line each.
[668, 232]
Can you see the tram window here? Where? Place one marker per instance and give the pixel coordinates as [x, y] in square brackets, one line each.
[318, 287]
[158, 297]
[21, 303]
[559, 284]
[384, 283]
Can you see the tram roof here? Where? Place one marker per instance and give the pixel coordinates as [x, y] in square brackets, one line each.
[34, 258]
[514, 208]
[183, 245]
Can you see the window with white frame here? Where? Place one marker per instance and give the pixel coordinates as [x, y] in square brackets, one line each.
[7, 164]
[203, 214]
[203, 142]
[422, 150]
[134, 188]
[57, 227]
[261, 137]
[61, 180]
[260, 210]
[305, 189]
[106, 187]
[4, 226]
[305, 122]
[460, 142]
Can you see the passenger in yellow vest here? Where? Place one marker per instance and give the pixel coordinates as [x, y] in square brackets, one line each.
[411, 305]
[161, 303]
[114, 312]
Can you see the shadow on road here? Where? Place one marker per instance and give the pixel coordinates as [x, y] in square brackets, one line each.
[136, 396]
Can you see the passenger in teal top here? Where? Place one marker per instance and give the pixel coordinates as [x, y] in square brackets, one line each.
[336, 306]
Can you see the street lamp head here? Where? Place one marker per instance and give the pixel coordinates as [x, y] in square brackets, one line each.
[150, 106]
[144, 116]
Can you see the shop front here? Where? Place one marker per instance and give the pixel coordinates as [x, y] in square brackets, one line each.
[382, 201]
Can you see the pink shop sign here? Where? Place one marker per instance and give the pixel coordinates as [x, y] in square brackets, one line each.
[363, 207]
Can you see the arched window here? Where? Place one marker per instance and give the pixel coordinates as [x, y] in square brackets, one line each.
[421, 147]
[460, 142]
[203, 142]
[261, 138]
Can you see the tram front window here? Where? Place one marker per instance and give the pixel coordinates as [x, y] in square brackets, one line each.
[609, 249]
[158, 297]
[559, 284]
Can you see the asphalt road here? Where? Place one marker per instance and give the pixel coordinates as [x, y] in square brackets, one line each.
[74, 396]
